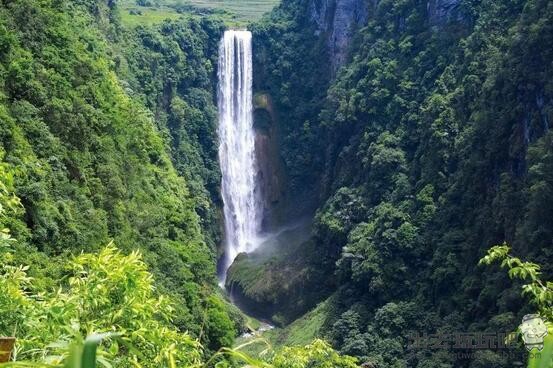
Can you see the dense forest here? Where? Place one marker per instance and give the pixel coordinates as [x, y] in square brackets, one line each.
[408, 138]
[89, 164]
[428, 145]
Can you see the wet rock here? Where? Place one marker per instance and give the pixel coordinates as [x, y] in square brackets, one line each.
[271, 174]
[274, 282]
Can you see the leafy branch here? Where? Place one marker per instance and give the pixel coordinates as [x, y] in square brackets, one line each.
[539, 291]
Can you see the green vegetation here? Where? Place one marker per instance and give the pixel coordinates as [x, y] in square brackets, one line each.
[111, 297]
[104, 292]
[540, 294]
[242, 10]
[90, 166]
[171, 69]
[275, 281]
[235, 13]
[133, 17]
[108, 137]
[302, 331]
[432, 142]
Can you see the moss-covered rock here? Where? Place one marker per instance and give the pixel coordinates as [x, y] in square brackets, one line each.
[275, 282]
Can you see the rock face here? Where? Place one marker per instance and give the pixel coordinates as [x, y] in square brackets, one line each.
[275, 282]
[441, 12]
[271, 174]
[336, 20]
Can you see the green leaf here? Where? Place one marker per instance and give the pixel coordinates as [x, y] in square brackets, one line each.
[89, 349]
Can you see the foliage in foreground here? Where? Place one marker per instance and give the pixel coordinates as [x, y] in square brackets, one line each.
[104, 292]
[318, 354]
[113, 294]
[110, 296]
[539, 292]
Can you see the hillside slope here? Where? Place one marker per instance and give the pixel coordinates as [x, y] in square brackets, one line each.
[430, 145]
[92, 163]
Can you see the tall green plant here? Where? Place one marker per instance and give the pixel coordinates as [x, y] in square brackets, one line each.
[540, 293]
[318, 354]
[104, 293]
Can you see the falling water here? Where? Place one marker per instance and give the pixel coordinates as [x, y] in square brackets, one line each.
[237, 146]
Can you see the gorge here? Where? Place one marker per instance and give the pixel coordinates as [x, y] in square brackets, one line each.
[340, 170]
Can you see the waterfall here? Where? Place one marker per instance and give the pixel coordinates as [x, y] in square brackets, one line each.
[242, 209]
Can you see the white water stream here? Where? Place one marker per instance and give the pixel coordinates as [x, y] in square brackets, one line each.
[242, 205]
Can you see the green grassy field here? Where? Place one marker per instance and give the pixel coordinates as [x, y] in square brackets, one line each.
[146, 16]
[235, 13]
[245, 10]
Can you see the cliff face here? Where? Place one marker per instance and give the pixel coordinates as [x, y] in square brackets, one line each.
[335, 23]
[271, 174]
[336, 20]
[444, 11]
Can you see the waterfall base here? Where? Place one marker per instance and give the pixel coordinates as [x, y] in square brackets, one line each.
[272, 283]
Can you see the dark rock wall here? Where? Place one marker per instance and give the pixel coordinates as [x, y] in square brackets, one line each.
[271, 173]
[441, 12]
[337, 20]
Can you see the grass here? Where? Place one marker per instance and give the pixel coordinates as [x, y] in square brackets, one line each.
[245, 10]
[299, 333]
[147, 16]
[252, 323]
[235, 13]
